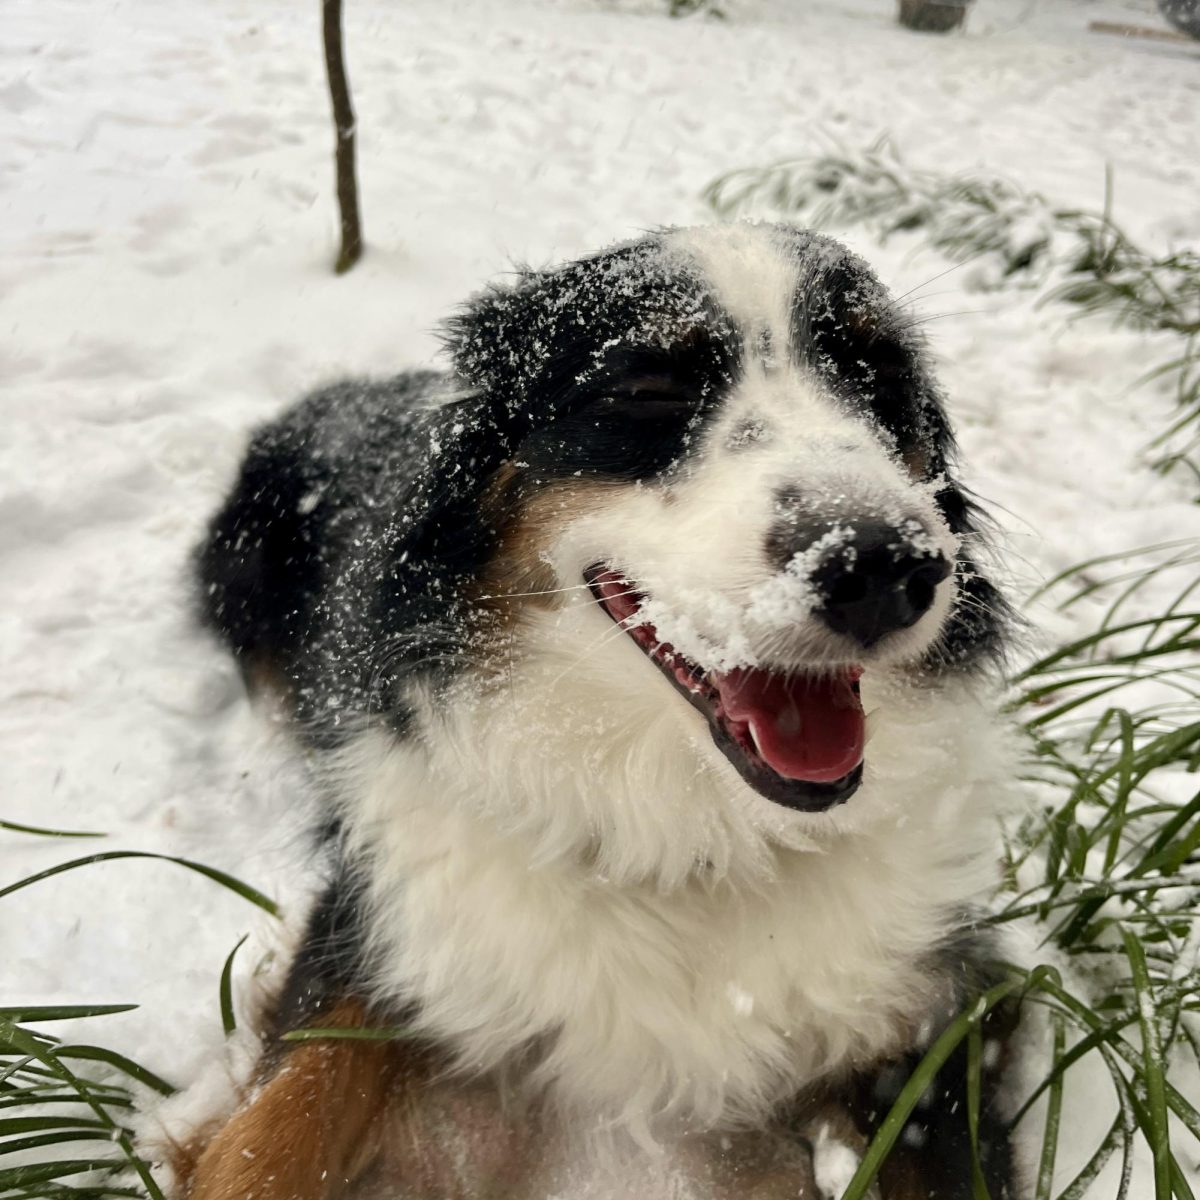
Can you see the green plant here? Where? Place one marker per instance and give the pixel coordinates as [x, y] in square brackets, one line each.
[1109, 867]
[64, 1131]
[54, 1106]
[1106, 869]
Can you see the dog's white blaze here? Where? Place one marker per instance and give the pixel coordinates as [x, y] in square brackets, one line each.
[754, 283]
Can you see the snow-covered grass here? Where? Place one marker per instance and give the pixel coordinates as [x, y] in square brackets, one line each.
[58, 1122]
[165, 283]
[1013, 238]
[1104, 869]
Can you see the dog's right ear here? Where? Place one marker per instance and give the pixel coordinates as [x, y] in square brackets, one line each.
[499, 337]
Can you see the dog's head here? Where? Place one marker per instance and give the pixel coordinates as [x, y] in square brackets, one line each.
[708, 479]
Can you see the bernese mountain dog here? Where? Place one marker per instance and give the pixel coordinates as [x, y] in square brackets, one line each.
[644, 660]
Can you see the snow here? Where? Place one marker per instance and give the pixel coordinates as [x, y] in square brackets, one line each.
[834, 1163]
[165, 250]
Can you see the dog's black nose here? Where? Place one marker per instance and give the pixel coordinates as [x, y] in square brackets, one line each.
[877, 580]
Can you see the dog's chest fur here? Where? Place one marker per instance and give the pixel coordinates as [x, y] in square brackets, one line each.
[656, 1008]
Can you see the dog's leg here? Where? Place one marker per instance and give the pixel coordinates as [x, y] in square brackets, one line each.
[934, 1156]
[837, 1145]
[310, 1128]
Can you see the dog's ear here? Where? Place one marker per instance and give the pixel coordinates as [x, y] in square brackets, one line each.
[979, 627]
[528, 342]
[497, 337]
[493, 343]
[445, 529]
[424, 560]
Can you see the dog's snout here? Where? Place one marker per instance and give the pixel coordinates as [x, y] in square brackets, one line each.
[878, 579]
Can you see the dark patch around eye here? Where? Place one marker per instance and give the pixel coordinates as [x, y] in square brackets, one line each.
[638, 414]
[846, 329]
[560, 356]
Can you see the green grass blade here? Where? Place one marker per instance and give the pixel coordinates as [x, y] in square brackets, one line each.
[1088, 1173]
[979, 1187]
[50, 1191]
[1053, 1125]
[18, 1065]
[35, 1141]
[113, 1059]
[228, 1016]
[23, 1099]
[13, 1177]
[225, 880]
[31, 1046]
[10, 1125]
[61, 1012]
[39, 831]
[921, 1079]
[1176, 1101]
[1159, 1134]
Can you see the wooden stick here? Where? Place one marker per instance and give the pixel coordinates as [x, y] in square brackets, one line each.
[343, 120]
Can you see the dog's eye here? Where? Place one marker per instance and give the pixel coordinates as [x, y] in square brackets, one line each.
[639, 403]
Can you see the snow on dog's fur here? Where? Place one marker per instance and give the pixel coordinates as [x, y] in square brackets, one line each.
[588, 637]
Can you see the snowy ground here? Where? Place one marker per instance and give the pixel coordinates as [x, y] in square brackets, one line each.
[165, 241]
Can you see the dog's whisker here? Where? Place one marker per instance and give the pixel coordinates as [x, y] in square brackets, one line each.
[958, 266]
[930, 317]
[570, 587]
[619, 630]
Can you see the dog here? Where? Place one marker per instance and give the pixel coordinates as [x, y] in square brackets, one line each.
[645, 661]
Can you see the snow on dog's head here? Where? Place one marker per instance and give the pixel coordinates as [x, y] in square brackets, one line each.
[723, 538]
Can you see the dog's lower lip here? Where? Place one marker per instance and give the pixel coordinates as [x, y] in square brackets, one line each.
[809, 784]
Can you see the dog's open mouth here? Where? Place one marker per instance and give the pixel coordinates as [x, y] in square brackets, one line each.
[796, 739]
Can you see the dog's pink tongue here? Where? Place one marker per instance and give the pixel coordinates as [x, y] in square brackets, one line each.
[804, 728]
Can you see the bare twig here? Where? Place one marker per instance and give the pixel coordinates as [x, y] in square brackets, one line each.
[343, 120]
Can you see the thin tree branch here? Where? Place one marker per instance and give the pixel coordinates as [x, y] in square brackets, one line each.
[343, 120]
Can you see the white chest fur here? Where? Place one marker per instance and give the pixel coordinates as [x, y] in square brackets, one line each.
[703, 1002]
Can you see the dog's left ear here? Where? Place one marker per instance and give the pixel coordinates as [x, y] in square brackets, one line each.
[445, 531]
[491, 342]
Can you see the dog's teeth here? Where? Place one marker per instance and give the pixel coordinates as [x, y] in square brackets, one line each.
[754, 740]
[870, 721]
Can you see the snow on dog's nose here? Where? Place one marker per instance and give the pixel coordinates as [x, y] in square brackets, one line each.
[870, 564]
[878, 579]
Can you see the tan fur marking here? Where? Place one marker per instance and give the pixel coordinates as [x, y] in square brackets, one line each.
[916, 462]
[453, 1140]
[307, 1131]
[518, 573]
